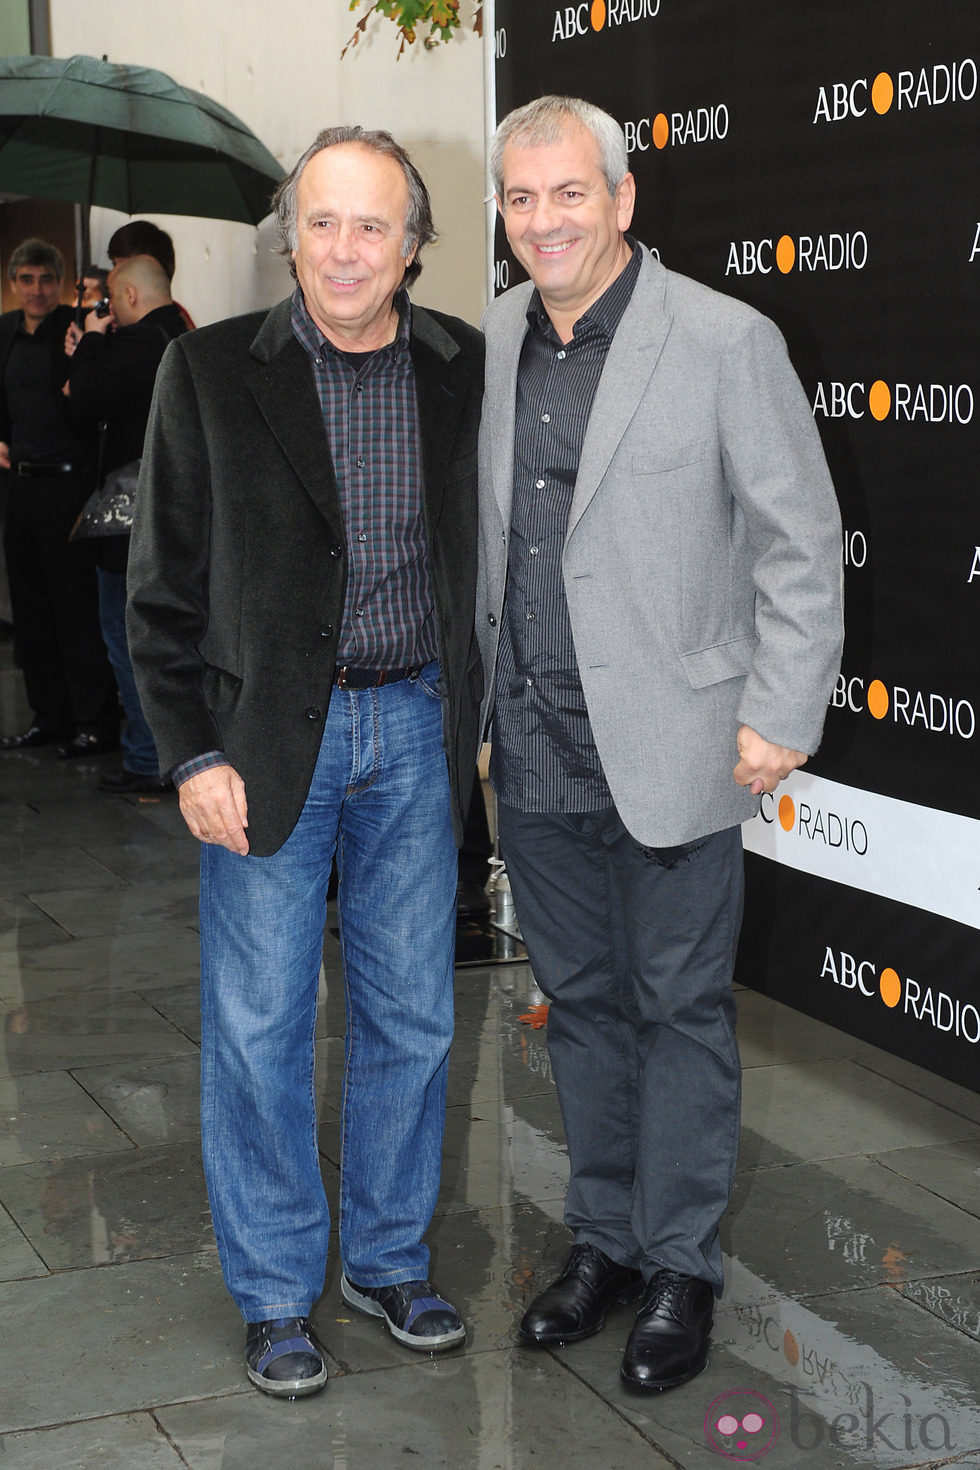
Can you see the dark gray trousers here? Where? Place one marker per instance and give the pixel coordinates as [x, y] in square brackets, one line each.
[635, 948]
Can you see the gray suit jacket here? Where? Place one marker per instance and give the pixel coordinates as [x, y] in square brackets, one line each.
[238, 562]
[702, 559]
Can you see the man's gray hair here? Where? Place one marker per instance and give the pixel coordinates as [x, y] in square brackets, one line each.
[418, 226]
[37, 252]
[546, 121]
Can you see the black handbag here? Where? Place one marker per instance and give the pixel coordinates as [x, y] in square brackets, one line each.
[109, 510]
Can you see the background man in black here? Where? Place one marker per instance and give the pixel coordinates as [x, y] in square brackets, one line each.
[111, 384]
[57, 641]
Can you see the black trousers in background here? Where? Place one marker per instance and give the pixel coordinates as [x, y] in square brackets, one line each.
[54, 598]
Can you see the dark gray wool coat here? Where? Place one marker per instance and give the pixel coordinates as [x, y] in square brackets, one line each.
[238, 560]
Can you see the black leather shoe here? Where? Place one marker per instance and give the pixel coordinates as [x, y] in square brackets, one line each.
[28, 739]
[121, 783]
[86, 742]
[669, 1342]
[575, 1304]
[472, 899]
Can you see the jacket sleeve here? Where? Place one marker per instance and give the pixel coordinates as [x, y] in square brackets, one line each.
[168, 575]
[775, 466]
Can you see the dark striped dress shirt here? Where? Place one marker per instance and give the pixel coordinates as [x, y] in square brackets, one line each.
[543, 756]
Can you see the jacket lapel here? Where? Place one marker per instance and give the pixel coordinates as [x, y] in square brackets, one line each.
[440, 403]
[281, 382]
[630, 364]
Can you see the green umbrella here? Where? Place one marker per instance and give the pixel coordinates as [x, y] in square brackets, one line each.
[128, 138]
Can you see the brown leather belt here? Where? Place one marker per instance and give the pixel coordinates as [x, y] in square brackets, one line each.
[348, 678]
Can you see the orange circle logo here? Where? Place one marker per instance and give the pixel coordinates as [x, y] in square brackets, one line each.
[786, 254]
[891, 988]
[882, 93]
[661, 130]
[598, 15]
[880, 400]
[787, 813]
[791, 1348]
[877, 699]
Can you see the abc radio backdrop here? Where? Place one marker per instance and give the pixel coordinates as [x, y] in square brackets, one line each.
[820, 162]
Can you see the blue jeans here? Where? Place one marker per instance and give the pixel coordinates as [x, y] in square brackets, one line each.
[139, 751]
[380, 796]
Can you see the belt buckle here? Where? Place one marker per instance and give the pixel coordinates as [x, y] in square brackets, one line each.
[342, 678]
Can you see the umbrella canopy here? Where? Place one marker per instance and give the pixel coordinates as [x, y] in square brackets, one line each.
[128, 138]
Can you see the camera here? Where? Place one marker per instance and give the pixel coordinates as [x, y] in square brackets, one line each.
[102, 308]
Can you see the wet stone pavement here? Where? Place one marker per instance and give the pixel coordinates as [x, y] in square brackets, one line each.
[849, 1334]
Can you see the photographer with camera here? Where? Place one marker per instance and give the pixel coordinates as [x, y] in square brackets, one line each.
[111, 375]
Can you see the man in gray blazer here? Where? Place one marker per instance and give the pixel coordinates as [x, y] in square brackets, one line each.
[301, 582]
[659, 610]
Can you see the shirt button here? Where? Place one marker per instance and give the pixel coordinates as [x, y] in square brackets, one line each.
[359, 461]
[491, 620]
[528, 681]
[362, 535]
[533, 550]
[561, 355]
[546, 418]
[539, 484]
[359, 612]
[312, 713]
[530, 617]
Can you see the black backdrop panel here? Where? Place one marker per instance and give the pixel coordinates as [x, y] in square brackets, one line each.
[820, 161]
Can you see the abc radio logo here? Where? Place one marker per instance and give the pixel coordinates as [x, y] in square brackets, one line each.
[929, 86]
[674, 130]
[937, 714]
[923, 1004]
[813, 824]
[912, 403]
[829, 252]
[596, 15]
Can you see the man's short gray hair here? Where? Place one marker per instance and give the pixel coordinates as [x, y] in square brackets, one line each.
[546, 121]
[37, 252]
[418, 226]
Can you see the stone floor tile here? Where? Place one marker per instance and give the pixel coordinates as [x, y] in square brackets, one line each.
[121, 1442]
[106, 1208]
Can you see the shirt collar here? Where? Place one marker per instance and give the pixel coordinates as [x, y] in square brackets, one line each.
[316, 344]
[605, 314]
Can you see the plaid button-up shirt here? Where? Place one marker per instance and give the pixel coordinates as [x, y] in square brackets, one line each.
[370, 413]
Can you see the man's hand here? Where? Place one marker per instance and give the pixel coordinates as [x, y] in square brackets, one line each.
[4, 456]
[213, 805]
[762, 766]
[72, 338]
[96, 323]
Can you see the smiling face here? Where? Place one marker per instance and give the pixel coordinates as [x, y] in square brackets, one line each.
[38, 291]
[562, 223]
[352, 203]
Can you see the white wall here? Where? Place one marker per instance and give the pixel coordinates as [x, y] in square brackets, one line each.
[277, 66]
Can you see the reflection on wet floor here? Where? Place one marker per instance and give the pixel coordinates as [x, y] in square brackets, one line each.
[849, 1334]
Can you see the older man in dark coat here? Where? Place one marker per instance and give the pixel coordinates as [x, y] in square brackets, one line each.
[301, 624]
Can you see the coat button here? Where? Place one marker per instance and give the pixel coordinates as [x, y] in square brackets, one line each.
[336, 551]
[491, 620]
[326, 631]
[312, 713]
